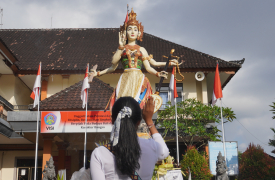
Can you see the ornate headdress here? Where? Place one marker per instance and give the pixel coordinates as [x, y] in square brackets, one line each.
[220, 157]
[50, 161]
[132, 21]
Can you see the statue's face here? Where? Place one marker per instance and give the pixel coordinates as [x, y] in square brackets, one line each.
[50, 165]
[132, 32]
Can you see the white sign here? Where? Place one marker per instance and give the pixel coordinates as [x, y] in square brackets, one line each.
[74, 121]
[231, 156]
[23, 172]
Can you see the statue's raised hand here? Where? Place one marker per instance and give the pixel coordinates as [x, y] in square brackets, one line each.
[122, 38]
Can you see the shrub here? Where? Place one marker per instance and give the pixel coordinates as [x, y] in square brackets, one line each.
[197, 163]
[256, 164]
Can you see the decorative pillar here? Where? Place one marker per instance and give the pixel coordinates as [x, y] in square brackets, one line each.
[199, 90]
[204, 90]
[47, 148]
[62, 146]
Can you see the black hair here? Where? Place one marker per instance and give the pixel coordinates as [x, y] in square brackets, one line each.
[127, 151]
[137, 43]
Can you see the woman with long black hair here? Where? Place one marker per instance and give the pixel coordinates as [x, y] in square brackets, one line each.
[128, 156]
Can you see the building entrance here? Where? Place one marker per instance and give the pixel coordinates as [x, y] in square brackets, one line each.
[25, 169]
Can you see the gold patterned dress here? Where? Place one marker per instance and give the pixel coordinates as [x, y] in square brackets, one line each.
[132, 82]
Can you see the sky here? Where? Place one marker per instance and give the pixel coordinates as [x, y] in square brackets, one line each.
[230, 30]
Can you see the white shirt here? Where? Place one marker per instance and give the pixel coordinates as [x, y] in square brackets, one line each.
[103, 165]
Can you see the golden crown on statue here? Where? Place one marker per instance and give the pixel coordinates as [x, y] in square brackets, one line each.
[132, 21]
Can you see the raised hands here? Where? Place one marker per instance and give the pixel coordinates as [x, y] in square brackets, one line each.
[122, 38]
[148, 111]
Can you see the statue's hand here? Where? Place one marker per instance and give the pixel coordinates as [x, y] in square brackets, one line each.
[174, 62]
[122, 38]
[92, 73]
[163, 74]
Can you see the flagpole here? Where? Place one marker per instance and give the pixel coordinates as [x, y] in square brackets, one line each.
[224, 150]
[37, 128]
[85, 141]
[175, 101]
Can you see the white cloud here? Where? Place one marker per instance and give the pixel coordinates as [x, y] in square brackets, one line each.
[242, 147]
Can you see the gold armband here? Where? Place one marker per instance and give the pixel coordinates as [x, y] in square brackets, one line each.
[157, 74]
[147, 58]
[121, 47]
[150, 57]
[98, 75]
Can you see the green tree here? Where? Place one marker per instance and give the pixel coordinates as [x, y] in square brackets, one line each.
[272, 141]
[193, 119]
[256, 164]
[197, 163]
[239, 156]
[273, 109]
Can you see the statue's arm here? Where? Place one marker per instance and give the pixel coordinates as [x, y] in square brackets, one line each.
[146, 62]
[158, 64]
[115, 61]
[151, 61]
[148, 67]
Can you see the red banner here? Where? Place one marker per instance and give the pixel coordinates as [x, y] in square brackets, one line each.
[74, 121]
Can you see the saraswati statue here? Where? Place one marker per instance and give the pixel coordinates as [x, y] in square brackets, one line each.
[133, 82]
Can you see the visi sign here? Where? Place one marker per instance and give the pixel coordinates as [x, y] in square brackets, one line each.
[74, 121]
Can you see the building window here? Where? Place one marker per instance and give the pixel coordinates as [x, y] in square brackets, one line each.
[165, 94]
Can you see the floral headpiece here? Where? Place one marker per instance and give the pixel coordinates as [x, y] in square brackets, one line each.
[125, 111]
[132, 21]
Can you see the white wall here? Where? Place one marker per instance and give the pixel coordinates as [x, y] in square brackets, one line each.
[21, 93]
[56, 83]
[7, 87]
[14, 90]
[189, 86]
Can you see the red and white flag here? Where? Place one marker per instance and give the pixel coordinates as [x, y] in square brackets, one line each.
[217, 90]
[37, 85]
[85, 87]
[173, 87]
[126, 19]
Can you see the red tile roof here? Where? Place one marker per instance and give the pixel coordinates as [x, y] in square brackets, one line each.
[71, 49]
[69, 98]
